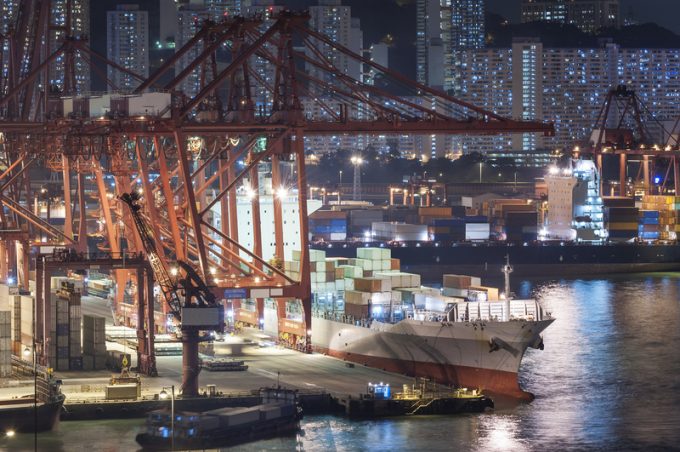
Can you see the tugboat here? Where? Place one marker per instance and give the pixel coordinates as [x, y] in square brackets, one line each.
[277, 415]
[38, 412]
[415, 400]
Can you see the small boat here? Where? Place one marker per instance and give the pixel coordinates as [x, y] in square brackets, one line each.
[27, 415]
[277, 415]
[414, 400]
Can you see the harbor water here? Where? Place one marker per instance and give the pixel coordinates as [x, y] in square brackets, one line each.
[608, 379]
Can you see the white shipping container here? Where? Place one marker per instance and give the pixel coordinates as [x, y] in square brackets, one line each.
[352, 271]
[477, 231]
[369, 253]
[419, 300]
[340, 284]
[149, 104]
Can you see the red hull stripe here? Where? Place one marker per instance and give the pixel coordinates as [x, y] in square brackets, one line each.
[490, 381]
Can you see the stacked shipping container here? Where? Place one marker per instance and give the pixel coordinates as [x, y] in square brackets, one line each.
[648, 226]
[621, 218]
[667, 206]
[68, 323]
[328, 225]
[94, 343]
[5, 344]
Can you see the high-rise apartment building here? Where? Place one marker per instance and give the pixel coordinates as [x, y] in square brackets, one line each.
[587, 15]
[566, 86]
[334, 20]
[79, 27]
[443, 29]
[379, 54]
[190, 18]
[127, 44]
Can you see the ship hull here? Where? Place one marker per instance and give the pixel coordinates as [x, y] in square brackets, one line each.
[484, 355]
[431, 261]
[21, 417]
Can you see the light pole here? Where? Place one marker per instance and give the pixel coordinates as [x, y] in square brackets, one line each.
[164, 395]
[26, 354]
[356, 186]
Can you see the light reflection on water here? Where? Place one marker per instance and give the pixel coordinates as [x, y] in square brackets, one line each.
[608, 379]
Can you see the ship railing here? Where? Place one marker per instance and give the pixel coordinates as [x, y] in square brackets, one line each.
[428, 316]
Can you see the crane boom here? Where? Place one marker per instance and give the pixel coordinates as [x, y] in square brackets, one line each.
[192, 303]
[169, 287]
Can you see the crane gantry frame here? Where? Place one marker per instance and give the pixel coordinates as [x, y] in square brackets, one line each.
[204, 147]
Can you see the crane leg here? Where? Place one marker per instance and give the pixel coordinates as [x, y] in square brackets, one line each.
[190, 365]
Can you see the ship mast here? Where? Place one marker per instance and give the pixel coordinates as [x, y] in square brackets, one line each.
[507, 269]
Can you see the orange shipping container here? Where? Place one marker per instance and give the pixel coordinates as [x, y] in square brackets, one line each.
[356, 311]
[457, 281]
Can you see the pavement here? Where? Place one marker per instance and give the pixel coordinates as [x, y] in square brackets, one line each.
[267, 366]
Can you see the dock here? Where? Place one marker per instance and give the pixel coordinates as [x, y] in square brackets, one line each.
[323, 383]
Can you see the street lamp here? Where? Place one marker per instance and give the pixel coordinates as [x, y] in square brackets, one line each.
[356, 186]
[164, 395]
[27, 353]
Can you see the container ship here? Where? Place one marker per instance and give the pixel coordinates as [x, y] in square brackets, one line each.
[433, 259]
[597, 235]
[367, 311]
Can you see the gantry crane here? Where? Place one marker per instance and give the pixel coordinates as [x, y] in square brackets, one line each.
[626, 127]
[262, 86]
[191, 302]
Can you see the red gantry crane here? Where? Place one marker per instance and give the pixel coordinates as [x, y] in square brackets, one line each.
[626, 127]
[191, 303]
[253, 92]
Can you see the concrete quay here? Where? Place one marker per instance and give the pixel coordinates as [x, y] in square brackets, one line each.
[319, 378]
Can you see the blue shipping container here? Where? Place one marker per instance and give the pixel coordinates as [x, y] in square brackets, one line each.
[476, 219]
[448, 222]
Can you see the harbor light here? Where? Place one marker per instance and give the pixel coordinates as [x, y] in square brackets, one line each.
[10, 433]
[282, 193]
